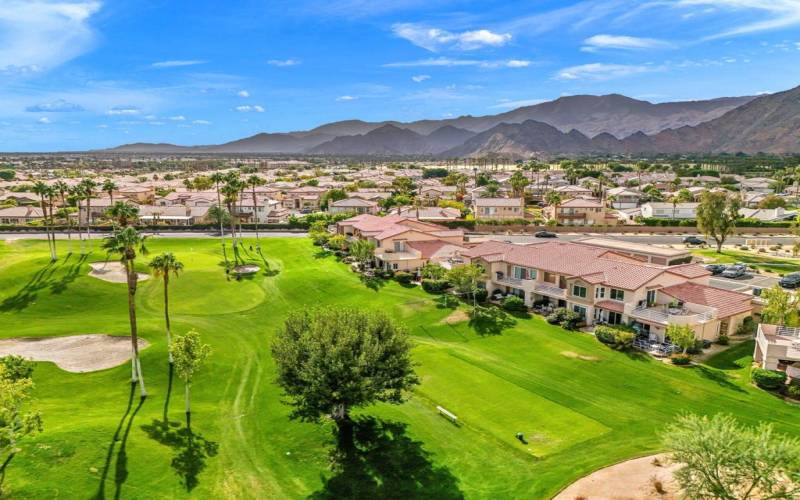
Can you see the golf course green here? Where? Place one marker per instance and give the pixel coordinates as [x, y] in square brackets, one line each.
[579, 404]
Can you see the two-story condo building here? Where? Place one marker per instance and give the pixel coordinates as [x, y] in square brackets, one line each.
[403, 243]
[604, 286]
[580, 212]
[778, 348]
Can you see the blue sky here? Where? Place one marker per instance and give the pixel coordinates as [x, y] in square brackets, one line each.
[81, 74]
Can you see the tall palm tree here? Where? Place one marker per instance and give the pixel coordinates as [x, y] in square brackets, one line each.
[125, 243]
[51, 194]
[554, 198]
[88, 186]
[218, 178]
[162, 265]
[231, 191]
[123, 213]
[43, 190]
[76, 192]
[64, 215]
[109, 187]
[254, 181]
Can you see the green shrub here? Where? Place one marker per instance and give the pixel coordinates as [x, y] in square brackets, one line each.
[557, 316]
[605, 334]
[681, 359]
[403, 277]
[624, 340]
[769, 379]
[514, 303]
[435, 286]
[793, 391]
[723, 339]
[570, 320]
[481, 295]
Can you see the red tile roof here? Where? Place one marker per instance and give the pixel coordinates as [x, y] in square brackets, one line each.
[726, 302]
[690, 271]
[611, 305]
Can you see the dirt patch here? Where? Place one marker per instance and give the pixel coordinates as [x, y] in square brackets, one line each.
[456, 316]
[575, 355]
[76, 353]
[632, 479]
[246, 269]
[112, 271]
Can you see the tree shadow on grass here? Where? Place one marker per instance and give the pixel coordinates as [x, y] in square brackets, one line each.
[115, 438]
[41, 280]
[322, 254]
[191, 448]
[721, 378]
[373, 282]
[637, 355]
[386, 463]
[121, 466]
[491, 321]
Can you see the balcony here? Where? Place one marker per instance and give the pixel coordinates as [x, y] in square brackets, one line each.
[502, 279]
[550, 290]
[665, 315]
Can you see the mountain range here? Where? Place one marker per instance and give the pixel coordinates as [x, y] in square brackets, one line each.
[582, 124]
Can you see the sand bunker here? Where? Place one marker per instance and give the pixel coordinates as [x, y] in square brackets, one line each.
[456, 316]
[632, 479]
[76, 353]
[112, 271]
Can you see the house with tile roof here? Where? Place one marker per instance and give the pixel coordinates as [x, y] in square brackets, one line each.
[605, 286]
[404, 243]
[353, 205]
[580, 212]
[304, 199]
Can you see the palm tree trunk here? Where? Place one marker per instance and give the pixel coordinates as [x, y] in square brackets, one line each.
[255, 216]
[46, 227]
[166, 314]
[136, 366]
[89, 222]
[52, 231]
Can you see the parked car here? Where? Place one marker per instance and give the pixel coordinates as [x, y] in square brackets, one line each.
[735, 271]
[790, 280]
[694, 240]
[715, 268]
[545, 234]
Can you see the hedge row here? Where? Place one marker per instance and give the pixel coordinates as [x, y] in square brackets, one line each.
[653, 221]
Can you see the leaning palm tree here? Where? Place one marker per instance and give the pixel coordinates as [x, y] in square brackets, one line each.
[123, 213]
[218, 178]
[162, 265]
[44, 191]
[231, 192]
[125, 243]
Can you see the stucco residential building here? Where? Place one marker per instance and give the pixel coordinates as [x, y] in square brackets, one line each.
[662, 210]
[580, 212]
[778, 348]
[604, 286]
[498, 208]
[353, 205]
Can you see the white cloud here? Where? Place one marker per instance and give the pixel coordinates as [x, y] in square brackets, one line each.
[420, 78]
[596, 42]
[243, 93]
[57, 106]
[779, 14]
[449, 62]
[123, 111]
[282, 63]
[344, 98]
[176, 63]
[602, 71]
[247, 108]
[40, 34]
[201, 122]
[178, 118]
[507, 104]
[44, 120]
[435, 39]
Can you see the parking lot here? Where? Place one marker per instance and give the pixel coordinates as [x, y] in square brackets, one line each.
[748, 282]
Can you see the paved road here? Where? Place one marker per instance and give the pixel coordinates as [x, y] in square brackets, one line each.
[657, 239]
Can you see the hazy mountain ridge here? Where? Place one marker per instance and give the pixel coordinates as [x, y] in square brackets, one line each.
[769, 123]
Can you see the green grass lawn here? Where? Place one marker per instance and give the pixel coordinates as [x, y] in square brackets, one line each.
[580, 405]
[760, 261]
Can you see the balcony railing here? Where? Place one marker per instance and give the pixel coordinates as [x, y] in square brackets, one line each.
[665, 316]
[551, 290]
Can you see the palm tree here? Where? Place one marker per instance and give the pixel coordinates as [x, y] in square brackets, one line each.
[125, 242]
[554, 198]
[218, 178]
[63, 214]
[254, 181]
[109, 187]
[88, 187]
[162, 265]
[491, 189]
[231, 192]
[77, 194]
[123, 213]
[518, 183]
[44, 191]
